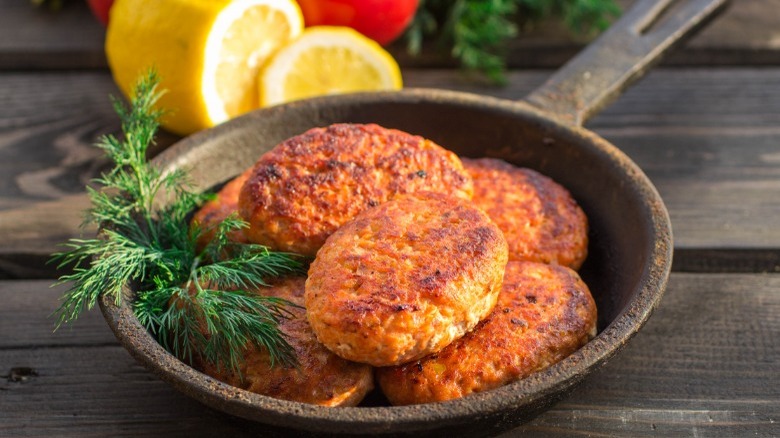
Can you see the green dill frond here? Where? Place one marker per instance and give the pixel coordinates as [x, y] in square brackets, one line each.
[194, 304]
[248, 264]
[249, 267]
[216, 325]
[237, 319]
[480, 31]
[113, 261]
[221, 241]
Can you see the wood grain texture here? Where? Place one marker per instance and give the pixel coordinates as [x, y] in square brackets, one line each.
[704, 365]
[28, 322]
[746, 34]
[710, 144]
[727, 260]
[40, 38]
[48, 125]
[708, 138]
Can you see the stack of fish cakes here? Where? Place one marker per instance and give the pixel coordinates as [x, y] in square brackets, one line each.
[450, 279]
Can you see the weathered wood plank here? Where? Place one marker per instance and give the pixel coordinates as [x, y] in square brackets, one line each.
[27, 319]
[711, 147]
[705, 365]
[746, 34]
[48, 124]
[726, 260]
[33, 38]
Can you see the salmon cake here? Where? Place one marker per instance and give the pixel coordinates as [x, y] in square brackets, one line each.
[540, 219]
[404, 279]
[213, 212]
[544, 313]
[305, 188]
[322, 378]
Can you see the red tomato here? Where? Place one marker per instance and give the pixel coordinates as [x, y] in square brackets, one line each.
[100, 8]
[381, 20]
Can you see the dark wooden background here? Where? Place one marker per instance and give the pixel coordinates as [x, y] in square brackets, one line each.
[705, 127]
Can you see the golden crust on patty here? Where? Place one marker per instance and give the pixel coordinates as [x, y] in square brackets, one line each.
[405, 279]
[539, 218]
[309, 185]
[322, 378]
[218, 209]
[544, 313]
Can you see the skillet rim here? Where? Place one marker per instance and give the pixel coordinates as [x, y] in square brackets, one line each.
[534, 390]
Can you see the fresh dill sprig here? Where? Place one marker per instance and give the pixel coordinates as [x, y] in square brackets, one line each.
[476, 32]
[584, 17]
[479, 32]
[196, 302]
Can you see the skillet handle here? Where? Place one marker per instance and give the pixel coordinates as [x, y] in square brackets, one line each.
[598, 74]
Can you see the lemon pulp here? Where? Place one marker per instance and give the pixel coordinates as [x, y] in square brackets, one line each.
[207, 53]
[327, 60]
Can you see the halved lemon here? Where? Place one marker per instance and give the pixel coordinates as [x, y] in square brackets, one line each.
[207, 52]
[327, 60]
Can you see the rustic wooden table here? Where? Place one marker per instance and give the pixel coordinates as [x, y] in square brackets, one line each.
[705, 127]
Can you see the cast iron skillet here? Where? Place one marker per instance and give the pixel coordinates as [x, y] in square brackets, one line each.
[630, 252]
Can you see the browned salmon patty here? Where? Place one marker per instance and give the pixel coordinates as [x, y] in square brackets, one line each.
[405, 279]
[213, 212]
[322, 378]
[305, 188]
[544, 313]
[540, 219]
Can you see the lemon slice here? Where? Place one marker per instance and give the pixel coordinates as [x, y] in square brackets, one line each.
[327, 60]
[208, 53]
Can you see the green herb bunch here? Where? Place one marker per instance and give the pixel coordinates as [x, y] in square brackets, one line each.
[54, 5]
[194, 302]
[477, 31]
